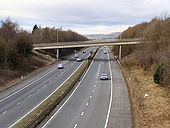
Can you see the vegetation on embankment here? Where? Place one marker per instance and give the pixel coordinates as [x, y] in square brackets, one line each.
[149, 101]
[155, 49]
[146, 68]
[16, 56]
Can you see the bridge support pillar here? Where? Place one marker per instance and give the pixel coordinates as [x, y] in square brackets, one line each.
[120, 51]
[57, 55]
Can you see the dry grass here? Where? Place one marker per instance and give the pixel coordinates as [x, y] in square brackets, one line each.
[151, 111]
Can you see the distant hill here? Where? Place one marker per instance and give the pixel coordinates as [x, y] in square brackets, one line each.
[103, 36]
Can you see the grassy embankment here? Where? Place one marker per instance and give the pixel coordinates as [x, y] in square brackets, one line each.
[146, 68]
[149, 101]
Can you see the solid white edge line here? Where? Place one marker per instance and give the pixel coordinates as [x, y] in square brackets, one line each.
[26, 86]
[69, 96]
[108, 113]
[45, 98]
[75, 125]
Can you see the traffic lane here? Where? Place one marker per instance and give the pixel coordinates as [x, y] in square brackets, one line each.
[22, 84]
[15, 109]
[20, 106]
[56, 72]
[96, 114]
[47, 79]
[87, 97]
[66, 116]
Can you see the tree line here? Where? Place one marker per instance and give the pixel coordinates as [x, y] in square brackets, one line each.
[16, 43]
[154, 53]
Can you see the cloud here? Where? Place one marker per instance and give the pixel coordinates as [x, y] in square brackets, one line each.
[84, 13]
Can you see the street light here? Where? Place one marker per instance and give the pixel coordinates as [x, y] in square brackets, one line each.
[57, 41]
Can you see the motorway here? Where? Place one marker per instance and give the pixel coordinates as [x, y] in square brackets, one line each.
[89, 104]
[18, 101]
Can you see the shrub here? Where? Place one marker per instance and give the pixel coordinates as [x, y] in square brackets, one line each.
[158, 75]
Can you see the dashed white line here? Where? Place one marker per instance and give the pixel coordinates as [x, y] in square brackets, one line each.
[44, 99]
[94, 85]
[44, 85]
[30, 95]
[18, 103]
[38, 90]
[90, 97]
[93, 90]
[87, 104]
[75, 125]
[82, 113]
[4, 112]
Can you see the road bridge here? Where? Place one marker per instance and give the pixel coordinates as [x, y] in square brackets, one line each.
[90, 43]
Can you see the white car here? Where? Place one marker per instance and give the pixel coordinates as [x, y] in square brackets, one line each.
[76, 56]
[60, 66]
[105, 52]
[78, 60]
[104, 77]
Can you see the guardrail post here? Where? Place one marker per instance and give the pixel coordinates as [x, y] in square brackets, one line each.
[120, 50]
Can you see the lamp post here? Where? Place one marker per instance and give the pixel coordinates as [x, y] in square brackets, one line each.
[57, 42]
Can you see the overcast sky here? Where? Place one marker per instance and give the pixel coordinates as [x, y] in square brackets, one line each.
[83, 16]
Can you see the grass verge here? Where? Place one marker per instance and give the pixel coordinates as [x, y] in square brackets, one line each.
[149, 101]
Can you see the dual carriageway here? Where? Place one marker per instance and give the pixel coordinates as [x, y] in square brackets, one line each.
[88, 106]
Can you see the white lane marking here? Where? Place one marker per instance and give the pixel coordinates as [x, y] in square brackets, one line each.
[44, 99]
[93, 90]
[31, 83]
[75, 125]
[4, 112]
[87, 104]
[90, 97]
[108, 113]
[82, 113]
[38, 90]
[94, 85]
[30, 95]
[26, 86]
[68, 97]
[18, 103]
[96, 81]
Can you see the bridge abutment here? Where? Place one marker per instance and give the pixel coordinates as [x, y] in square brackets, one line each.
[120, 52]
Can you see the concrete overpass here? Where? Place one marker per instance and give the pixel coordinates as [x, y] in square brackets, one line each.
[91, 43]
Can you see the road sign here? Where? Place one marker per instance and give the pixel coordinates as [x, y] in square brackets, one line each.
[57, 55]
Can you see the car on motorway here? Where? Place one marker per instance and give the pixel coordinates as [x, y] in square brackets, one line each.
[60, 66]
[84, 51]
[78, 60]
[76, 56]
[104, 76]
[105, 52]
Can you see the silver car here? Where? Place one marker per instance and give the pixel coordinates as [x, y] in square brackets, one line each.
[60, 66]
[104, 77]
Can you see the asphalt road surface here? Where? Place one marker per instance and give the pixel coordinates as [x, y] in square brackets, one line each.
[19, 100]
[89, 104]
